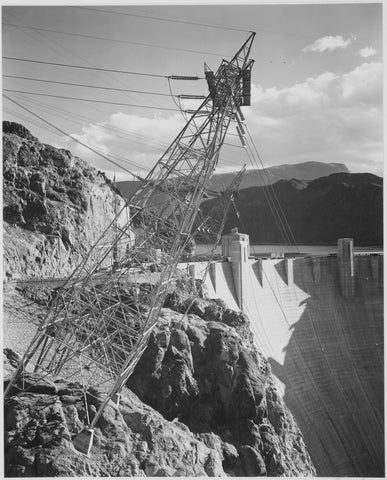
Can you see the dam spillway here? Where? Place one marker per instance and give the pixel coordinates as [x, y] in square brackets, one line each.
[322, 330]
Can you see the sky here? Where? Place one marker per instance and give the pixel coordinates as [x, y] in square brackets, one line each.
[317, 90]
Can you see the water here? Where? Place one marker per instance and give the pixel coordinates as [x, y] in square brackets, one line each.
[267, 250]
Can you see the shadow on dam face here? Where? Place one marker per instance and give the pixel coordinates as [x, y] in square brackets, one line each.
[327, 352]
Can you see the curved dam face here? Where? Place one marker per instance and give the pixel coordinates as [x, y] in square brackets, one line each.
[325, 345]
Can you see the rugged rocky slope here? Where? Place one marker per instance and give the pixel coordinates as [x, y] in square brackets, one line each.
[206, 405]
[319, 211]
[55, 206]
[133, 440]
[203, 370]
[201, 401]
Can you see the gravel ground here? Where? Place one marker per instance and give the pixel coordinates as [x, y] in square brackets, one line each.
[20, 319]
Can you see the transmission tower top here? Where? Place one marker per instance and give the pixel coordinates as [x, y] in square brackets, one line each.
[240, 67]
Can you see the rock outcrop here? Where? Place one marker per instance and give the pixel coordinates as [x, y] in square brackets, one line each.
[206, 373]
[132, 440]
[201, 401]
[204, 405]
[55, 206]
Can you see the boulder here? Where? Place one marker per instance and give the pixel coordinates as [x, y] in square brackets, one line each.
[130, 441]
[208, 375]
[253, 463]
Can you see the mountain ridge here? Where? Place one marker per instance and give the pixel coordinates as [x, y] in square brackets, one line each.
[267, 176]
[318, 211]
[302, 171]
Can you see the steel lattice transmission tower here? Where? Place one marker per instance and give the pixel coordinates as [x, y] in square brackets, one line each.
[99, 323]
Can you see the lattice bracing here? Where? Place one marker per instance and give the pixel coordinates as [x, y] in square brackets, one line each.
[208, 228]
[99, 323]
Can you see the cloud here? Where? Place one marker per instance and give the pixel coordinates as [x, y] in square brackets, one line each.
[132, 141]
[328, 118]
[328, 43]
[366, 52]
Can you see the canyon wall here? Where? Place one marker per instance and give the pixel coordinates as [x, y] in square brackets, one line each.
[55, 207]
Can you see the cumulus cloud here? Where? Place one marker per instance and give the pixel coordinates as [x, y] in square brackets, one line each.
[328, 118]
[132, 141]
[366, 52]
[328, 43]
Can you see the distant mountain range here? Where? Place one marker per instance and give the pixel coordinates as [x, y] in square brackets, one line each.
[253, 178]
[320, 202]
[317, 211]
[270, 175]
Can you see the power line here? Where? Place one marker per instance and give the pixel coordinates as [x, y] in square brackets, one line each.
[126, 135]
[30, 120]
[73, 54]
[222, 27]
[127, 42]
[88, 86]
[89, 100]
[95, 68]
[120, 132]
[273, 201]
[72, 138]
[137, 138]
[53, 130]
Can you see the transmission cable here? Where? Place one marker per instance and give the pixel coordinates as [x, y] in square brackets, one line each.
[89, 100]
[281, 213]
[270, 203]
[93, 37]
[73, 54]
[126, 72]
[222, 27]
[269, 200]
[85, 85]
[93, 148]
[119, 158]
[30, 120]
[125, 134]
[73, 138]
[274, 204]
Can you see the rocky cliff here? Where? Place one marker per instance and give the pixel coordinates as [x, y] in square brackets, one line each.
[55, 206]
[132, 440]
[203, 370]
[201, 402]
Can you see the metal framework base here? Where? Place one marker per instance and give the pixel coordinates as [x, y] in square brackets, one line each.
[84, 441]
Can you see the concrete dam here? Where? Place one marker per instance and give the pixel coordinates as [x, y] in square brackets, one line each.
[319, 321]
